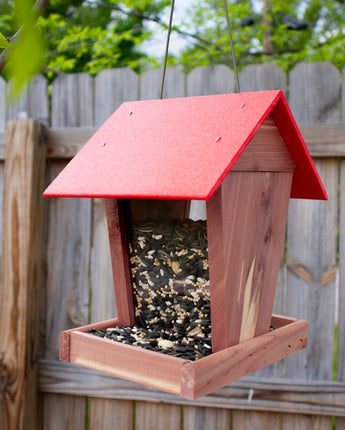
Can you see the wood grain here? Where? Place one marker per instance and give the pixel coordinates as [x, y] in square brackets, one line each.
[197, 418]
[262, 77]
[157, 416]
[21, 273]
[202, 81]
[113, 87]
[120, 261]
[174, 84]
[110, 414]
[256, 420]
[206, 375]
[246, 224]
[270, 394]
[72, 100]
[2, 105]
[126, 361]
[266, 152]
[65, 412]
[102, 285]
[33, 102]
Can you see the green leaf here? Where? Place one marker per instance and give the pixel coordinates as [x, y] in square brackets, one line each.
[4, 43]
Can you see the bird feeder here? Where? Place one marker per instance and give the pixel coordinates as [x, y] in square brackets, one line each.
[244, 155]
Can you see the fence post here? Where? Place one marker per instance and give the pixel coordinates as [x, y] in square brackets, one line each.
[21, 273]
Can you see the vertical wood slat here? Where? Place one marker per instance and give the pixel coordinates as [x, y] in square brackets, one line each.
[256, 420]
[2, 105]
[108, 414]
[33, 102]
[103, 306]
[150, 84]
[65, 412]
[120, 261]
[72, 100]
[157, 416]
[262, 77]
[242, 301]
[202, 81]
[340, 422]
[113, 87]
[200, 418]
[259, 78]
[312, 237]
[21, 273]
[68, 238]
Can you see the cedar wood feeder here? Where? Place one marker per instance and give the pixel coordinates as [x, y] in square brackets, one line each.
[242, 153]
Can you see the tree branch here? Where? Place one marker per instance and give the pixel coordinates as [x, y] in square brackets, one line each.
[38, 8]
[155, 19]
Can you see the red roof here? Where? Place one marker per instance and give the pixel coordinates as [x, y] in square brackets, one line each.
[181, 148]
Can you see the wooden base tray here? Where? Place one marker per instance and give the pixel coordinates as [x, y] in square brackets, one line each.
[189, 379]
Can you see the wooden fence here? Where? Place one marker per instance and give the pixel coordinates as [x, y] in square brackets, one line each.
[64, 280]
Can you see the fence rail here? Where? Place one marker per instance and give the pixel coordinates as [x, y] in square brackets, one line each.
[303, 392]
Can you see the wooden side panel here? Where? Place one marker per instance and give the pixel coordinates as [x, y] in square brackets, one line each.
[127, 362]
[157, 416]
[218, 369]
[21, 273]
[246, 224]
[266, 152]
[196, 418]
[102, 285]
[106, 414]
[120, 261]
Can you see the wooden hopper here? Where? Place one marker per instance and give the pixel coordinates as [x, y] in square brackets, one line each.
[243, 154]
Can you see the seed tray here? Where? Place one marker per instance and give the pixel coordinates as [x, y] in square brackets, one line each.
[189, 379]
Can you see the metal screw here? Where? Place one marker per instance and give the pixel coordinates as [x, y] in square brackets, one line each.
[104, 143]
[130, 113]
[218, 139]
[242, 105]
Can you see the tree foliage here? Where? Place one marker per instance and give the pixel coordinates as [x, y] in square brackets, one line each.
[269, 31]
[85, 35]
[90, 35]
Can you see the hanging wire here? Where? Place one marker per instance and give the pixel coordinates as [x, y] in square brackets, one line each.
[231, 45]
[230, 40]
[167, 47]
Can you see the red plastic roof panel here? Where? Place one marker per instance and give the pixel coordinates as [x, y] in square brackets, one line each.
[180, 148]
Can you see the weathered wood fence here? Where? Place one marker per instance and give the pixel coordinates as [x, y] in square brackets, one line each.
[55, 258]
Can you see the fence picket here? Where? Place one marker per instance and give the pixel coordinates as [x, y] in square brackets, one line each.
[113, 87]
[65, 412]
[33, 103]
[150, 84]
[262, 77]
[340, 422]
[157, 416]
[256, 420]
[110, 414]
[314, 97]
[197, 418]
[72, 100]
[2, 105]
[203, 81]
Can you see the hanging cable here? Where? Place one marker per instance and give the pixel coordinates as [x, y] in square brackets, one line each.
[167, 47]
[231, 45]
